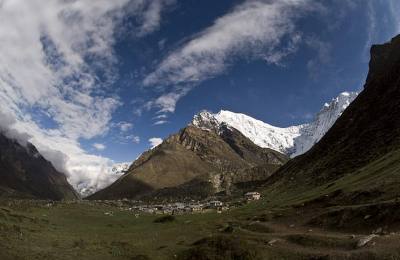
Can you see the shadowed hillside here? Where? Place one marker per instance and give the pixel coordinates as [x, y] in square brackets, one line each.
[359, 157]
[24, 173]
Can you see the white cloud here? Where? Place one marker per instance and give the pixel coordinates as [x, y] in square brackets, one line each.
[135, 139]
[86, 172]
[167, 102]
[161, 119]
[258, 29]
[99, 147]
[160, 122]
[125, 126]
[155, 141]
[151, 18]
[162, 116]
[126, 139]
[51, 54]
[42, 64]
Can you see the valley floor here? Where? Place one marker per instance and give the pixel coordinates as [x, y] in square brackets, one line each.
[35, 230]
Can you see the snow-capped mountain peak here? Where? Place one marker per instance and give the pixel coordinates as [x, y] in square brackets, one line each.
[206, 121]
[293, 140]
[262, 134]
[312, 132]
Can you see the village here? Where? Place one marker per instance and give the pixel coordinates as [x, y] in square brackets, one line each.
[138, 207]
[179, 208]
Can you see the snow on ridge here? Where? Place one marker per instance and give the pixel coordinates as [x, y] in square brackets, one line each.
[312, 132]
[262, 134]
[293, 140]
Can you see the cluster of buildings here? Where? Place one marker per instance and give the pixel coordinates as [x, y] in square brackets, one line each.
[190, 207]
[181, 208]
[250, 196]
[175, 208]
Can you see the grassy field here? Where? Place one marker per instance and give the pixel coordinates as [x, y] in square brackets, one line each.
[323, 222]
[68, 231]
[31, 230]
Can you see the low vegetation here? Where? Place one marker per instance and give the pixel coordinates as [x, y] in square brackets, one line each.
[165, 219]
[39, 230]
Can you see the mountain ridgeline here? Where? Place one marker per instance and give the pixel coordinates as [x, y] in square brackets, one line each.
[220, 154]
[350, 150]
[358, 160]
[196, 162]
[292, 140]
[24, 173]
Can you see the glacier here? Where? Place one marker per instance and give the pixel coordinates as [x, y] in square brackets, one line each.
[293, 140]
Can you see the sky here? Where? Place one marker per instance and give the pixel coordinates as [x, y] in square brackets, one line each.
[92, 83]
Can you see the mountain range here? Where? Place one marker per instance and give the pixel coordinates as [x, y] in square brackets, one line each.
[220, 153]
[223, 152]
[293, 140]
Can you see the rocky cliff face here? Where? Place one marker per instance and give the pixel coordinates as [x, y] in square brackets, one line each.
[359, 156]
[196, 163]
[24, 173]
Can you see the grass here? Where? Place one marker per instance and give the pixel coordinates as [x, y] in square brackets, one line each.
[31, 230]
[83, 231]
[382, 176]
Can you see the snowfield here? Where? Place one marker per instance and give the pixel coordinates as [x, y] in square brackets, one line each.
[293, 140]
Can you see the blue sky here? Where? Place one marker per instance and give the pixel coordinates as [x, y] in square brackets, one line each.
[91, 82]
[332, 57]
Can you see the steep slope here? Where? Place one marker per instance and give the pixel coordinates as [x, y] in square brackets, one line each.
[294, 140]
[24, 173]
[195, 162]
[312, 132]
[357, 160]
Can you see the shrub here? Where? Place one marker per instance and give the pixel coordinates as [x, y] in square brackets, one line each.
[165, 219]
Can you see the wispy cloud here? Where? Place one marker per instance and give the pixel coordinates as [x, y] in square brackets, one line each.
[160, 122]
[380, 27]
[151, 17]
[99, 147]
[323, 50]
[371, 28]
[124, 126]
[162, 116]
[51, 56]
[257, 29]
[394, 6]
[134, 138]
[167, 102]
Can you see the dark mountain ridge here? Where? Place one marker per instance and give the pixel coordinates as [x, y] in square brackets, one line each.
[24, 173]
[358, 154]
